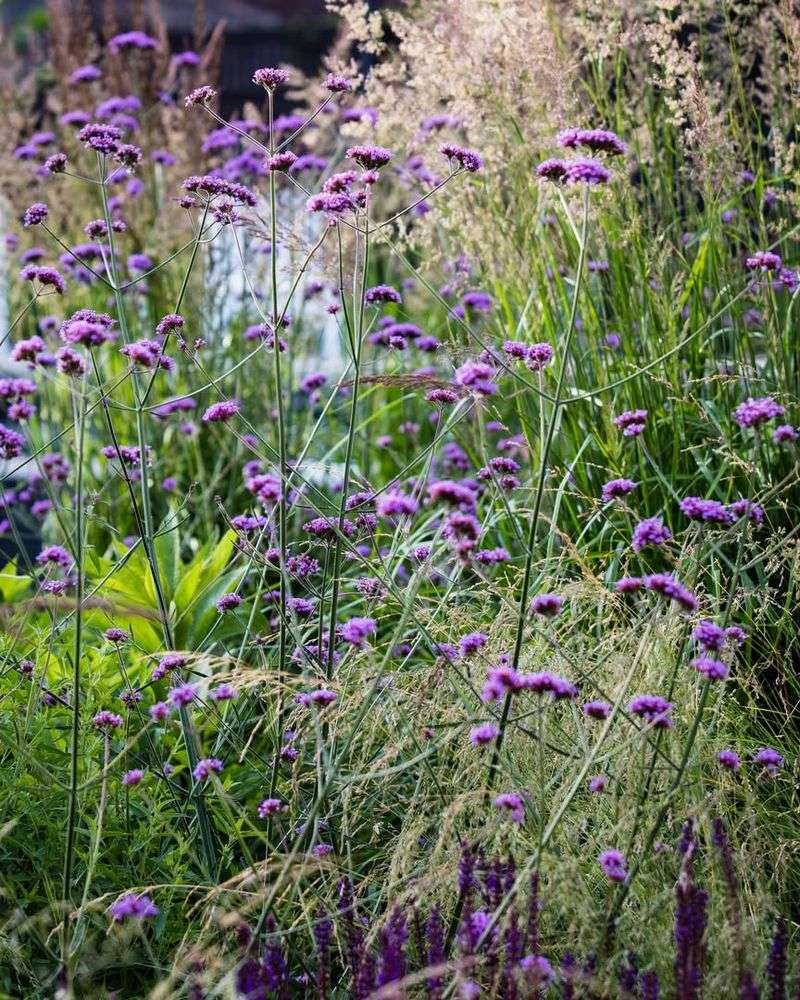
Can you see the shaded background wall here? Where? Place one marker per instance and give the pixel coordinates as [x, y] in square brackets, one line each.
[257, 33]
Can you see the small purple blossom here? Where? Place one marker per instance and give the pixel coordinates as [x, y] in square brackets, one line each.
[107, 720]
[729, 759]
[35, 214]
[132, 906]
[512, 804]
[381, 293]
[596, 709]
[356, 631]
[206, 767]
[222, 411]
[228, 602]
[487, 732]
[653, 709]
[769, 758]
[615, 489]
[651, 531]
[270, 77]
[755, 412]
[713, 670]
[369, 157]
[784, 433]
[597, 140]
[614, 865]
[631, 422]
[201, 95]
[547, 605]
[271, 807]
[763, 260]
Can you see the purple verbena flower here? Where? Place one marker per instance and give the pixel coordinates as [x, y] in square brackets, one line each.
[755, 412]
[729, 759]
[651, 531]
[784, 433]
[631, 422]
[669, 586]
[270, 77]
[713, 670]
[34, 214]
[206, 767]
[653, 709]
[597, 140]
[586, 172]
[222, 411]
[467, 159]
[547, 605]
[132, 906]
[106, 720]
[182, 695]
[200, 95]
[369, 157]
[614, 865]
[708, 511]
[596, 709]
[763, 260]
[771, 759]
[470, 644]
[271, 807]
[487, 732]
[512, 804]
[614, 489]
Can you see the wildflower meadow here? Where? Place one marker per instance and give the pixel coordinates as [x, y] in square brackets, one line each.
[400, 506]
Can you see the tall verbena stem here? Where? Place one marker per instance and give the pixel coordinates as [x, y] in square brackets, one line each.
[74, 752]
[544, 455]
[189, 736]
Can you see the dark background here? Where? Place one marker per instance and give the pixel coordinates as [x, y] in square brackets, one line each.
[257, 33]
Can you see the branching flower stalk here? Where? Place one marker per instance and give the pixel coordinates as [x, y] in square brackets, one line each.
[190, 739]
